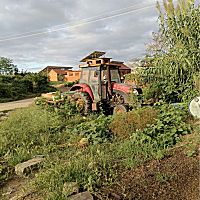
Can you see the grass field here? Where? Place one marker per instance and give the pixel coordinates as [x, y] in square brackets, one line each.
[100, 164]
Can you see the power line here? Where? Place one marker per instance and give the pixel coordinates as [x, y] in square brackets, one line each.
[76, 25]
[60, 25]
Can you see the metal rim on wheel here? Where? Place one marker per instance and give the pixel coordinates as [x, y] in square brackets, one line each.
[83, 102]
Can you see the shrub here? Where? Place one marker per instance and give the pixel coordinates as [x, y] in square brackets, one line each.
[124, 124]
[69, 84]
[14, 87]
[166, 130]
[96, 130]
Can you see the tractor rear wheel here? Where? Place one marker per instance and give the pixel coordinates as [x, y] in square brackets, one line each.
[83, 102]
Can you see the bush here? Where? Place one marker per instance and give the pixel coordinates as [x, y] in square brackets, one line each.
[69, 84]
[167, 129]
[96, 130]
[16, 87]
[124, 124]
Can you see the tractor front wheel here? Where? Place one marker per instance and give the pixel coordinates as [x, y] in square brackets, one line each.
[83, 102]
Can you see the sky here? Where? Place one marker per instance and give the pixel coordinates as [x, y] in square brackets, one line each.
[37, 33]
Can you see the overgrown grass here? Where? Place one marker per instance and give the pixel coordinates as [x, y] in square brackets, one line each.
[56, 135]
[27, 132]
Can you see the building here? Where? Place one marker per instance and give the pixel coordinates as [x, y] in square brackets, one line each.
[135, 64]
[123, 69]
[63, 75]
[47, 69]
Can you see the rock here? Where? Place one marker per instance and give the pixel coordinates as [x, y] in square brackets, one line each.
[3, 118]
[83, 142]
[25, 167]
[81, 196]
[70, 188]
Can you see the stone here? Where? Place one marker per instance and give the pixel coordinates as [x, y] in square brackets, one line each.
[3, 118]
[26, 167]
[81, 196]
[70, 188]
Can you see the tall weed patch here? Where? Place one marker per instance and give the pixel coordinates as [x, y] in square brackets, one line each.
[27, 131]
[124, 124]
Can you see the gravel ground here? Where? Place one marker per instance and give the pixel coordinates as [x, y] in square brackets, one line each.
[16, 104]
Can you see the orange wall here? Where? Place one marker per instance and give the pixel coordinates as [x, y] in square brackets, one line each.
[52, 76]
[75, 76]
[70, 77]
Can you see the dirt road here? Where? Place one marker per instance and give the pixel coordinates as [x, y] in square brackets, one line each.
[16, 104]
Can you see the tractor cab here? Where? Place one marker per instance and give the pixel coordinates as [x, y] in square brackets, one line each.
[100, 81]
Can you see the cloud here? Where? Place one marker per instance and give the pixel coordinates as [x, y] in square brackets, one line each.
[123, 37]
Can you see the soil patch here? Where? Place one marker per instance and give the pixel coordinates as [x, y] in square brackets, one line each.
[176, 177]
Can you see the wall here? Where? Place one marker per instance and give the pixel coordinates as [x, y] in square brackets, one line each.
[72, 76]
[52, 76]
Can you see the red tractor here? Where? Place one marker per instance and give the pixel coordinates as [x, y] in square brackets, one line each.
[100, 85]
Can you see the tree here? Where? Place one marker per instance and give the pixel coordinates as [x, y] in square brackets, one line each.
[7, 66]
[176, 51]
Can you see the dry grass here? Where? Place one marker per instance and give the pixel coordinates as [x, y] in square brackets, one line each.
[125, 124]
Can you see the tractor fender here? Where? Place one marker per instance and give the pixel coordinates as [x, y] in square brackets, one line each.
[126, 88]
[83, 88]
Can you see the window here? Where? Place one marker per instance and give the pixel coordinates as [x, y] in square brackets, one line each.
[98, 61]
[115, 75]
[89, 62]
[71, 74]
[94, 76]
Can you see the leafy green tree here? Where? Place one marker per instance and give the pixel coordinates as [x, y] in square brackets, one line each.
[7, 66]
[39, 81]
[175, 52]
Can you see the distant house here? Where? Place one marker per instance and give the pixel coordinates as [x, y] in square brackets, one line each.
[135, 64]
[123, 69]
[63, 75]
[47, 69]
